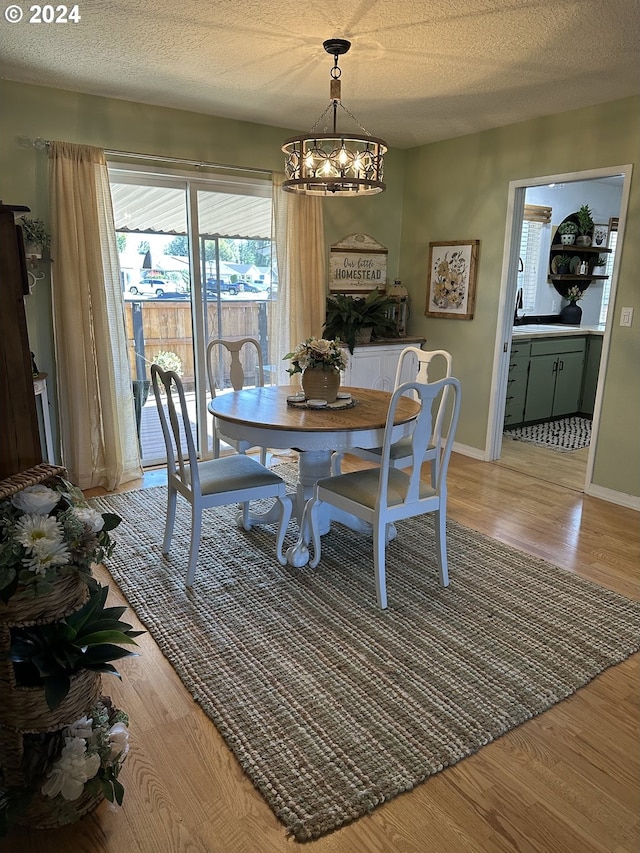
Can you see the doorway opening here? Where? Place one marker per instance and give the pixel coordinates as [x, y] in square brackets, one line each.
[526, 261]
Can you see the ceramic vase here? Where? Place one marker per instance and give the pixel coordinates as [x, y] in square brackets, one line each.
[319, 383]
[567, 239]
[571, 314]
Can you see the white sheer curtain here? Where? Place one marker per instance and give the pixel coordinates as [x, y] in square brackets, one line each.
[299, 310]
[97, 419]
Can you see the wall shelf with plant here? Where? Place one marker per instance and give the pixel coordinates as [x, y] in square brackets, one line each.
[566, 256]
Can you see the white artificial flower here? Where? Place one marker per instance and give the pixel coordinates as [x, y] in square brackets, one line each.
[81, 728]
[46, 554]
[72, 770]
[119, 740]
[90, 517]
[33, 529]
[40, 499]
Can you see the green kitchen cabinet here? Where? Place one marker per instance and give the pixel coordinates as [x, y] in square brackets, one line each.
[554, 387]
[517, 382]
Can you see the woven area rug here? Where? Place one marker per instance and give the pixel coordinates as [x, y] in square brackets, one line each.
[563, 434]
[332, 706]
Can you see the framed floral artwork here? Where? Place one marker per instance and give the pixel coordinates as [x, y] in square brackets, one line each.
[451, 289]
[600, 236]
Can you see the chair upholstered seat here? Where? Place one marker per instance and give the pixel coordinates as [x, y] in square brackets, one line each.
[245, 473]
[362, 487]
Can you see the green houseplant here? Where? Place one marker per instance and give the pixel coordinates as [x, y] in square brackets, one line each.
[349, 316]
[36, 236]
[585, 225]
[567, 232]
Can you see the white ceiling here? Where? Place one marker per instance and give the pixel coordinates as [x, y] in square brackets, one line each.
[417, 72]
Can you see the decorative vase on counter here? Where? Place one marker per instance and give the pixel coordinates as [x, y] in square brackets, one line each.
[571, 314]
[319, 383]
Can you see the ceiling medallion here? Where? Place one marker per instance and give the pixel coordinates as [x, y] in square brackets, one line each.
[334, 163]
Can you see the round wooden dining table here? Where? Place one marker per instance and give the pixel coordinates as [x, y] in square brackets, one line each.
[262, 417]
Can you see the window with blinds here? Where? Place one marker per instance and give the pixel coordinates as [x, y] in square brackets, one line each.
[606, 289]
[535, 226]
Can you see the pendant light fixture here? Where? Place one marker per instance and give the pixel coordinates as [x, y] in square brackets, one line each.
[334, 163]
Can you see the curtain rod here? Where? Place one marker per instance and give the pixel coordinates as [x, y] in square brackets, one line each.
[40, 144]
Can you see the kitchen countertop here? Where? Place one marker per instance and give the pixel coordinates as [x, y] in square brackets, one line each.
[555, 330]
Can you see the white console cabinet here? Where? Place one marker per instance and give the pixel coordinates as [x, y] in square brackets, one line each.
[374, 365]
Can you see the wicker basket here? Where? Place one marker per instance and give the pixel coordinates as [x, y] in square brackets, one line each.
[30, 477]
[24, 709]
[42, 813]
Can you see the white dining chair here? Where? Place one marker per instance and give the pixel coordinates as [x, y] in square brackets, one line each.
[215, 482]
[383, 495]
[419, 362]
[217, 369]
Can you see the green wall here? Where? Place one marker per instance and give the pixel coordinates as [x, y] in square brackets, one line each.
[456, 190]
[31, 112]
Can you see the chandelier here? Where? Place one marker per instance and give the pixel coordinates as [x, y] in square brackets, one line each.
[334, 163]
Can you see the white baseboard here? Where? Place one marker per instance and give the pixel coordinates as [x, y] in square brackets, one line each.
[619, 498]
[473, 452]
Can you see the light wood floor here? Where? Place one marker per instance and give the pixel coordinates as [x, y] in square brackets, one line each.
[565, 782]
[563, 469]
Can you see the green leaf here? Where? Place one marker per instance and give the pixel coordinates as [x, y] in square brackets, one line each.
[55, 690]
[107, 636]
[111, 521]
[118, 790]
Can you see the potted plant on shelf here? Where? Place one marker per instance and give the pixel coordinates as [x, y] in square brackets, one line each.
[356, 319]
[567, 231]
[561, 264]
[36, 236]
[585, 225]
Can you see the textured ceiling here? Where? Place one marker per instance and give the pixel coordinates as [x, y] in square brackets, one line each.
[417, 71]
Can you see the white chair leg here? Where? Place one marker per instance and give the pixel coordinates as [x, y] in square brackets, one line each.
[336, 462]
[286, 508]
[311, 515]
[172, 498]
[379, 545]
[440, 525]
[243, 516]
[196, 529]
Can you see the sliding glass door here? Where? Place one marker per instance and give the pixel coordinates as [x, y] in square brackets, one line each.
[195, 260]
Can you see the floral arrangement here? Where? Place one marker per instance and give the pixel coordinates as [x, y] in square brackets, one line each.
[316, 352]
[84, 757]
[93, 752]
[574, 294]
[49, 532]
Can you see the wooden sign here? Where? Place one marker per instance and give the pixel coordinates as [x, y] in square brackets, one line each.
[357, 264]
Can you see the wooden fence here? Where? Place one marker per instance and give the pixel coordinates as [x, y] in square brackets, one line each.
[155, 326]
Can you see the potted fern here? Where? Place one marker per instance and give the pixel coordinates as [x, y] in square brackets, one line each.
[356, 319]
